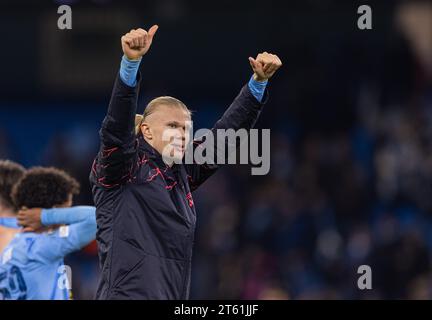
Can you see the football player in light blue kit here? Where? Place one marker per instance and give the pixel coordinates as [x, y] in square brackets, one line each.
[31, 266]
[10, 173]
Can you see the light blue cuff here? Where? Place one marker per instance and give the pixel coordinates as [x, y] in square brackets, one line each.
[257, 88]
[46, 217]
[129, 70]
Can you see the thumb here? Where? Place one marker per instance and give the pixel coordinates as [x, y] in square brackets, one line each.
[152, 31]
[252, 63]
[28, 229]
[256, 66]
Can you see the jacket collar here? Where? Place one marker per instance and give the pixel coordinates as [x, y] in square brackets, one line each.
[151, 152]
[154, 155]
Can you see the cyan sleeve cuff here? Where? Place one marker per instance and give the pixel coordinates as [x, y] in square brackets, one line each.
[257, 88]
[46, 217]
[129, 70]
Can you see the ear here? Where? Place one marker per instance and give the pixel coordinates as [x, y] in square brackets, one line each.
[146, 132]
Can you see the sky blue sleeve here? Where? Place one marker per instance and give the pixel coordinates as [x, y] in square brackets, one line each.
[129, 70]
[9, 223]
[78, 230]
[67, 215]
[257, 88]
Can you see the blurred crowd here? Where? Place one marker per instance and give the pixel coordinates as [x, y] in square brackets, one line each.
[349, 184]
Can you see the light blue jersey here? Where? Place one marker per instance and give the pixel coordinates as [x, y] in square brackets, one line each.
[32, 267]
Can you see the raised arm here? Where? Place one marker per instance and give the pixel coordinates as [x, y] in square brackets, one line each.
[242, 114]
[117, 150]
[77, 228]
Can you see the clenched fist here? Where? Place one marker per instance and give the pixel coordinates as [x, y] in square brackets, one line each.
[265, 65]
[137, 42]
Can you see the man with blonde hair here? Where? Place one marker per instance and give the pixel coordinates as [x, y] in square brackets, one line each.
[145, 210]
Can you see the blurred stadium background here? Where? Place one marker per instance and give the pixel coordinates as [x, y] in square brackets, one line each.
[350, 117]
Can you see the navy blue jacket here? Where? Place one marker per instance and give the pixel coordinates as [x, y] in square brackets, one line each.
[144, 209]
